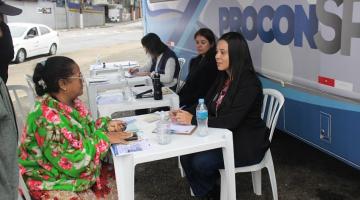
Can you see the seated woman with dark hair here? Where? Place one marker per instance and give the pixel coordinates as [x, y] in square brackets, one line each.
[61, 146]
[163, 61]
[202, 69]
[234, 102]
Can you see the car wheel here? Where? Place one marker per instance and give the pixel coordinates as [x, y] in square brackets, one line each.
[20, 56]
[53, 49]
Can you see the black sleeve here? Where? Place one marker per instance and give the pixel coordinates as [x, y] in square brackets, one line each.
[7, 48]
[207, 78]
[6, 51]
[200, 83]
[230, 118]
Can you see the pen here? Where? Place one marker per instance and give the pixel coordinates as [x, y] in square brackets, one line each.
[182, 107]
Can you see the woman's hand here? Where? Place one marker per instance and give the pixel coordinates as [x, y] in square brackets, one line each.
[119, 137]
[183, 117]
[116, 126]
[172, 115]
[133, 70]
[142, 73]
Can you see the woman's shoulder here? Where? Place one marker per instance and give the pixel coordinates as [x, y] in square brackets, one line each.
[249, 79]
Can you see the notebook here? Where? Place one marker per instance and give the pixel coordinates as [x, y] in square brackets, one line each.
[180, 129]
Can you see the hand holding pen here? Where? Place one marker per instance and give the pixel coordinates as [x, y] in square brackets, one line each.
[133, 70]
[173, 113]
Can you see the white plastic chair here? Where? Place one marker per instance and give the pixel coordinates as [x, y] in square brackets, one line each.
[21, 111]
[179, 83]
[31, 84]
[17, 91]
[23, 188]
[272, 104]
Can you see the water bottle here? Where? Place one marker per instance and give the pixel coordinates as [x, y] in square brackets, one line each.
[202, 118]
[121, 72]
[98, 61]
[163, 130]
[157, 87]
[127, 91]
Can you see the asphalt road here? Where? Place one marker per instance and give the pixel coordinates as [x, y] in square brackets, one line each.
[106, 36]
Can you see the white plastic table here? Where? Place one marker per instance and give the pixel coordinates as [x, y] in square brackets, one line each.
[113, 82]
[114, 65]
[180, 145]
[171, 100]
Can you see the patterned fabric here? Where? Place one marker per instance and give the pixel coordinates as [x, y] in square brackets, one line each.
[61, 147]
[108, 191]
[222, 93]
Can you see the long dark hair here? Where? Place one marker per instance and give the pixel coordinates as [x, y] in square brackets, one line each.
[239, 54]
[153, 44]
[48, 73]
[239, 61]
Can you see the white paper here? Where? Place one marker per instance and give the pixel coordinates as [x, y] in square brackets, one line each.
[185, 129]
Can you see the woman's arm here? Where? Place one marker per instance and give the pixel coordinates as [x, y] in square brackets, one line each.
[168, 76]
[146, 67]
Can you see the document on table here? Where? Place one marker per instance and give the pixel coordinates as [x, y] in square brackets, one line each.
[133, 146]
[129, 75]
[182, 129]
[98, 79]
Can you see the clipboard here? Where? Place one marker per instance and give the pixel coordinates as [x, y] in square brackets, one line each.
[180, 129]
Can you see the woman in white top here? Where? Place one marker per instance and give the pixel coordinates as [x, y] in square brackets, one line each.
[163, 61]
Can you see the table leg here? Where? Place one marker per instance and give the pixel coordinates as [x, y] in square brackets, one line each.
[124, 173]
[228, 154]
[92, 100]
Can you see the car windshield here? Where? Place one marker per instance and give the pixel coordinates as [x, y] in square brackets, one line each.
[17, 31]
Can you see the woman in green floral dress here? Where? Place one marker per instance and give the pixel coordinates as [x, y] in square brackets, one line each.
[61, 146]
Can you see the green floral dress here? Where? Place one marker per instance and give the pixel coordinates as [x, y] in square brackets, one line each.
[61, 147]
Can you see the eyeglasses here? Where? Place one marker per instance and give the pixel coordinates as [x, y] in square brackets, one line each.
[77, 77]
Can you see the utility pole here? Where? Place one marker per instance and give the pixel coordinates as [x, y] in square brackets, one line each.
[81, 2]
[67, 14]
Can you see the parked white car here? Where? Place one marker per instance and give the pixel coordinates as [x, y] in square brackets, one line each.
[32, 40]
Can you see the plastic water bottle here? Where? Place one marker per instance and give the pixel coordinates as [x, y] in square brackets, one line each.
[202, 118]
[121, 73]
[98, 61]
[127, 91]
[163, 130]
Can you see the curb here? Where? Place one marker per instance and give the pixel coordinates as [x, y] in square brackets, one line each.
[107, 25]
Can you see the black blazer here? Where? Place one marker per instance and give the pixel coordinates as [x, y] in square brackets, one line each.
[240, 112]
[6, 51]
[201, 76]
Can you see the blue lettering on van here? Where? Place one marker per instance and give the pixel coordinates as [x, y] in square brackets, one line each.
[299, 24]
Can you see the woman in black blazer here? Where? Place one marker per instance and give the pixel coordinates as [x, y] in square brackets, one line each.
[234, 102]
[202, 69]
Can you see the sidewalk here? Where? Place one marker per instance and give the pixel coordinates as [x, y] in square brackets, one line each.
[107, 25]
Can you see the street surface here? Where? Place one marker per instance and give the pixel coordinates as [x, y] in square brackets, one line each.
[112, 42]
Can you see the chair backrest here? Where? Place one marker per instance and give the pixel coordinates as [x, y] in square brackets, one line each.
[21, 106]
[182, 62]
[31, 84]
[272, 104]
[21, 111]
